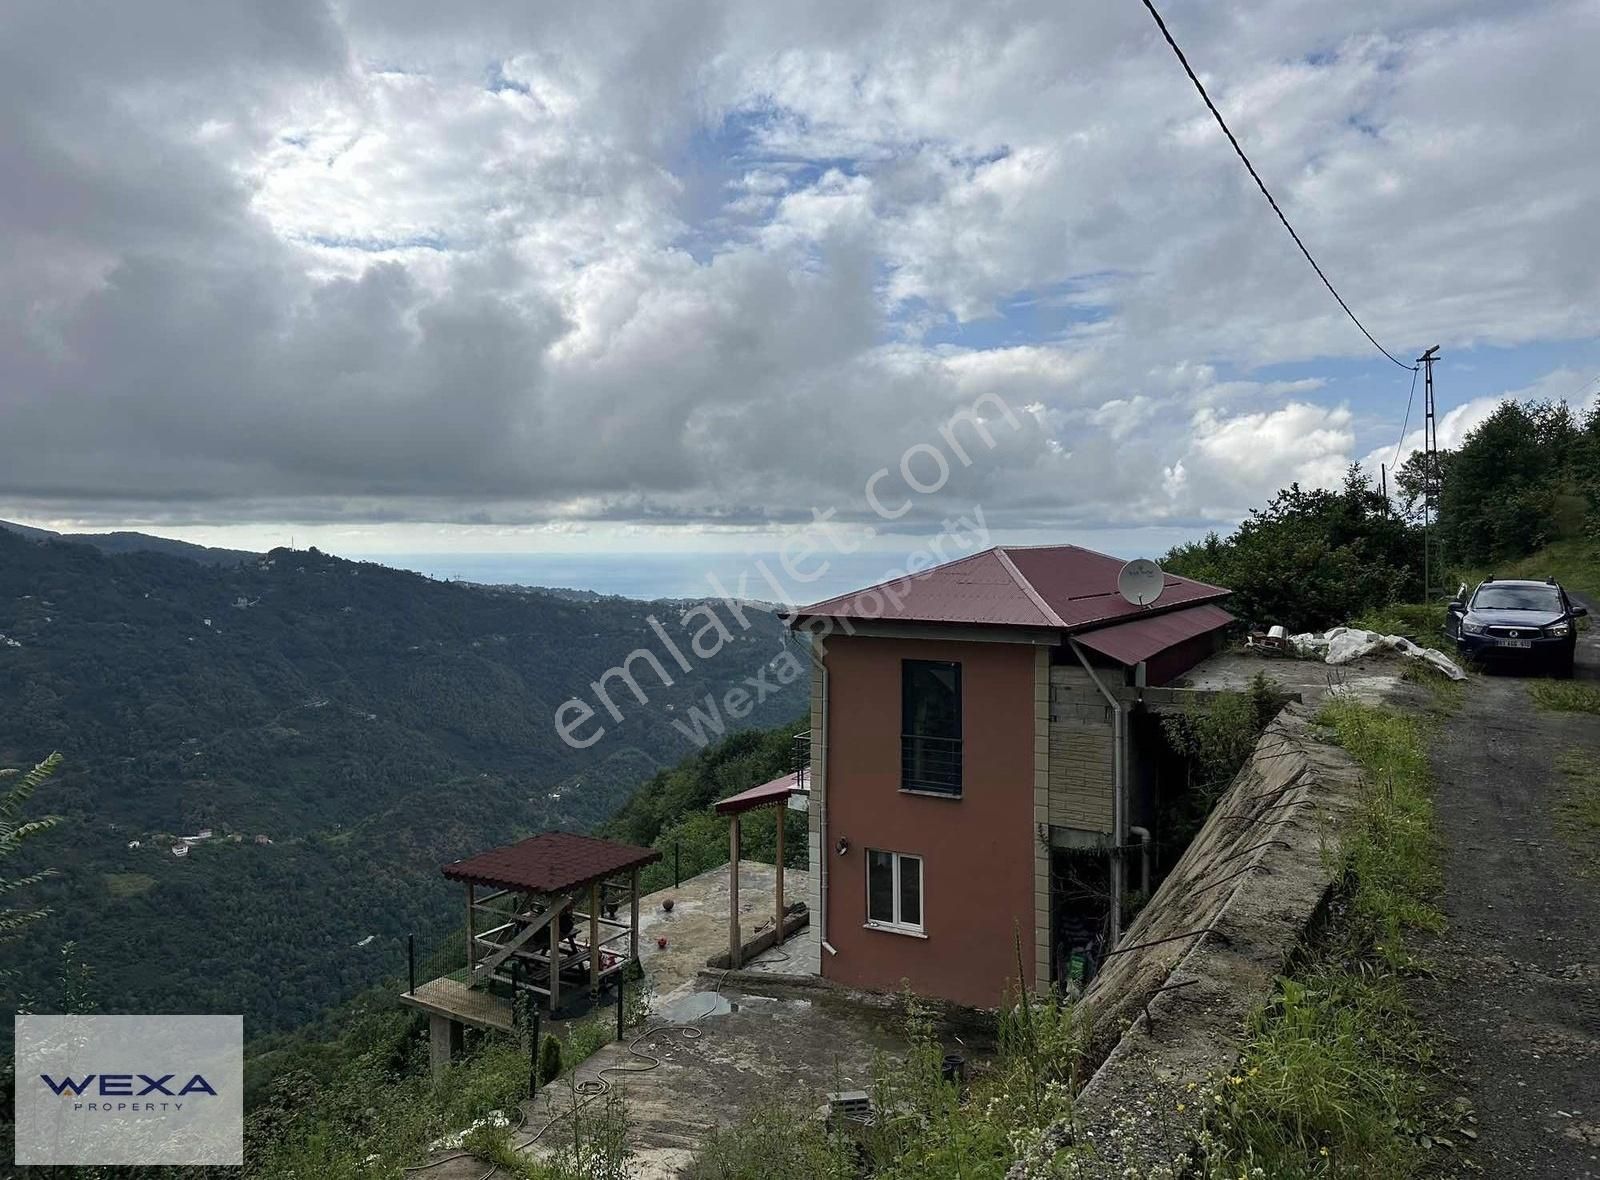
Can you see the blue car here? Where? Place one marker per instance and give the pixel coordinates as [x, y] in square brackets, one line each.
[1512, 622]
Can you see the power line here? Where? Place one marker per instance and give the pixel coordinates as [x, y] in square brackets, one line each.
[1260, 184]
[1584, 388]
[1407, 422]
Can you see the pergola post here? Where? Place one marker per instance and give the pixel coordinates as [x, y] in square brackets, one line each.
[594, 939]
[555, 955]
[733, 893]
[782, 808]
[633, 928]
[472, 938]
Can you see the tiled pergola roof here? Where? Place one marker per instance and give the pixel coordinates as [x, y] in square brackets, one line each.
[552, 862]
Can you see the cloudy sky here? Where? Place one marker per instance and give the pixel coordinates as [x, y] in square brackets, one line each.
[401, 277]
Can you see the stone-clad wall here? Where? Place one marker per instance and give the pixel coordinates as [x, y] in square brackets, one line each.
[1081, 776]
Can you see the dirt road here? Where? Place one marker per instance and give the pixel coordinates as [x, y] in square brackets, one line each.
[1519, 970]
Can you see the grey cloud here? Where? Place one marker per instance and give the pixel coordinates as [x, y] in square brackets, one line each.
[292, 262]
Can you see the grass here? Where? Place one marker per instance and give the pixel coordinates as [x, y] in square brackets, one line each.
[1578, 812]
[382, 1110]
[1420, 622]
[1448, 695]
[927, 1128]
[128, 884]
[1333, 1080]
[1575, 564]
[1565, 696]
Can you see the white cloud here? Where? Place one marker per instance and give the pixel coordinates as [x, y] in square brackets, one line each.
[719, 263]
[1236, 462]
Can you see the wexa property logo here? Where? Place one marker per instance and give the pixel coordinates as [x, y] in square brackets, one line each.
[129, 1090]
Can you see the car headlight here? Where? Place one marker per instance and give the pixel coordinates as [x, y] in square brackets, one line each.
[1557, 630]
[1474, 628]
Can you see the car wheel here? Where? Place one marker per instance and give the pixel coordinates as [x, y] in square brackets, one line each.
[1563, 668]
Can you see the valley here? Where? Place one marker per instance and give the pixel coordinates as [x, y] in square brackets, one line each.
[369, 724]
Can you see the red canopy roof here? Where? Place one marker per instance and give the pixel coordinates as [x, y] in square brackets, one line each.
[552, 862]
[1047, 586]
[777, 791]
[1141, 638]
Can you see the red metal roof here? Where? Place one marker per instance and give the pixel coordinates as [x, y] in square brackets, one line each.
[1139, 639]
[777, 791]
[551, 862]
[1053, 586]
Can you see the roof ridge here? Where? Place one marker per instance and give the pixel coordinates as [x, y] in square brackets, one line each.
[1026, 587]
[894, 581]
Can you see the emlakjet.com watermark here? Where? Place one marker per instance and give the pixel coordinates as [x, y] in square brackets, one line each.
[924, 470]
[113, 1090]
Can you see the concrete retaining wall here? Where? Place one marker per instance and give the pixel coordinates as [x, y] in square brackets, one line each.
[1172, 1011]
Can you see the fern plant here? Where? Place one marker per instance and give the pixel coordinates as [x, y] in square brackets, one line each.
[14, 829]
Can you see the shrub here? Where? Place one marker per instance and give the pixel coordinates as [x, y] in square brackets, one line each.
[549, 1060]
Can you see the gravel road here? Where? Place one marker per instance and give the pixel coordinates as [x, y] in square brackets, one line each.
[1518, 984]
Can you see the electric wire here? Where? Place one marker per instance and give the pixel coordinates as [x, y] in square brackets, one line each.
[1261, 184]
[1406, 422]
[1584, 388]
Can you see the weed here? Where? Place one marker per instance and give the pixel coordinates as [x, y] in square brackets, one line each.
[1332, 1078]
[1420, 622]
[1578, 812]
[1448, 695]
[1564, 696]
[1214, 740]
[925, 1125]
[1574, 563]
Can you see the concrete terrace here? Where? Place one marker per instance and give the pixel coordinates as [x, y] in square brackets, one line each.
[795, 1045]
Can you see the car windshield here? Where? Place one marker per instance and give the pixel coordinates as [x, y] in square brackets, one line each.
[1543, 598]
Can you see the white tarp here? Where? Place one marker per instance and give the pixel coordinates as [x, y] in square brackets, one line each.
[1342, 645]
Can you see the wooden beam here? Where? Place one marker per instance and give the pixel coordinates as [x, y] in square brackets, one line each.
[782, 815]
[594, 939]
[633, 921]
[504, 952]
[733, 893]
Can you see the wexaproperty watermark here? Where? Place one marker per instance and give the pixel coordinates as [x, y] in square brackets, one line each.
[924, 469]
[128, 1090]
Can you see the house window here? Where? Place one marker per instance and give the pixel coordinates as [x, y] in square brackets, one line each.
[930, 726]
[894, 890]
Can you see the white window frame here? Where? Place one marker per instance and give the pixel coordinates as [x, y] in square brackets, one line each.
[898, 926]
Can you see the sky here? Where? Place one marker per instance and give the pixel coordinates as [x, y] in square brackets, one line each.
[423, 281]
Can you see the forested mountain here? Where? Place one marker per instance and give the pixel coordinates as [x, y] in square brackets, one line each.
[128, 542]
[370, 723]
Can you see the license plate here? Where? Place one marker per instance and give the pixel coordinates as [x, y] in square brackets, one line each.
[1514, 642]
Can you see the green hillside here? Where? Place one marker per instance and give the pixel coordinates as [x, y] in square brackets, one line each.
[671, 808]
[371, 723]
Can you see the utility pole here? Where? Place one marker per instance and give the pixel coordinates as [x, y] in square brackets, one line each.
[1383, 478]
[1430, 467]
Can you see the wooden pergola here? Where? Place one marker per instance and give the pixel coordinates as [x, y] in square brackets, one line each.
[773, 794]
[514, 930]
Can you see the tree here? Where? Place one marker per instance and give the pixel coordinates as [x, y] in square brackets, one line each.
[1311, 558]
[14, 829]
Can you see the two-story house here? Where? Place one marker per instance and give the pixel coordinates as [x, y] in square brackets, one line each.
[975, 754]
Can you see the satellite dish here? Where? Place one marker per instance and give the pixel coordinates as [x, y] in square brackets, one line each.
[1141, 582]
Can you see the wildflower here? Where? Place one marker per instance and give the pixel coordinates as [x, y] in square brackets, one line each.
[1182, 1106]
[1323, 1152]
